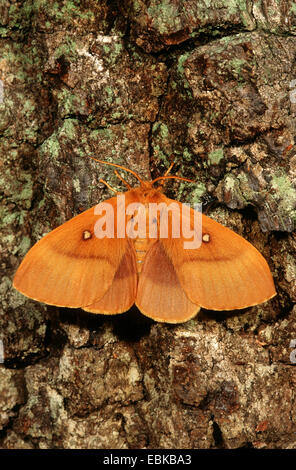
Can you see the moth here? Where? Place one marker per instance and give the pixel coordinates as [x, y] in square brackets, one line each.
[80, 265]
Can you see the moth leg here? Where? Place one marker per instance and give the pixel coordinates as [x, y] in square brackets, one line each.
[108, 186]
[123, 180]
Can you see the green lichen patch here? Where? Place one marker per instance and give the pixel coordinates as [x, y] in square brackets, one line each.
[285, 194]
[285, 190]
[161, 130]
[181, 60]
[70, 104]
[191, 192]
[24, 246]
[215, 156]
[102, 82]
[165, 16]
[234, 191]
[24, 108]
[17, 188]
[293, 8]
[67, 49]
[15, 19]
[197, 193]
[161, 143]
[173, 22]
[51, 146]
[238, 65]
[69, 14]
[274, 199]
[65, 158]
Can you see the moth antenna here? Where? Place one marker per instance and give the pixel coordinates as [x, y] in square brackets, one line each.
[172, 177]
[167, 172]
[123, 180]
[118, 166]
[108, 185]
[169, 168]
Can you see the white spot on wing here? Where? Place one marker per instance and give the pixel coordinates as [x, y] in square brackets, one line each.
[86, 235]
[206, 238]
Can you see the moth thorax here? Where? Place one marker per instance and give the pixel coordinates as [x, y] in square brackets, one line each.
[141, 247]
[139, 223]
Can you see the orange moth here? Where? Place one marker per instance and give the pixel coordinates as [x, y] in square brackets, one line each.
[85, 264]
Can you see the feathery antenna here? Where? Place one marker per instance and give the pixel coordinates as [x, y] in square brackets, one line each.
[172, 177]
[118, 166]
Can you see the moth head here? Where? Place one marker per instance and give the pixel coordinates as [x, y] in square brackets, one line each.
[144, 185]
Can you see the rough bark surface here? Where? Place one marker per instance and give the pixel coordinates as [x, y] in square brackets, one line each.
[133, 82]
